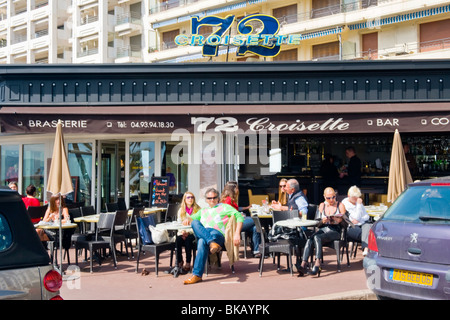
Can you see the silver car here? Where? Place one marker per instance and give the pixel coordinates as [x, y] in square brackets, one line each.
[409, 247]
[25, 269]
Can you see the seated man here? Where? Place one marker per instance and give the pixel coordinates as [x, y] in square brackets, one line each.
[209, 227]
[296, 198]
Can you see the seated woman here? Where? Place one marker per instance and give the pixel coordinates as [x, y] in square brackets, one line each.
[282, 194]
[30, 200]
[331, 215]
[358, 215]
[230, 195]
[52, 215]
[186, 237]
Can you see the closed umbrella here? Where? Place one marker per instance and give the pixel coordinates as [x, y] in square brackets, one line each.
[399, 175]
[59, 180]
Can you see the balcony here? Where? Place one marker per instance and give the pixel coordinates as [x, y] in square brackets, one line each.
[128, 54]
[128, 24]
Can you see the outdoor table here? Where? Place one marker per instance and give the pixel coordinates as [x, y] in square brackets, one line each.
[296, 222]
[173, 227]
[375, 212]
[54, 226]
[266, 217]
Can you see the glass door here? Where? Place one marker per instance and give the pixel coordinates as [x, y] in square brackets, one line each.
[110, 175]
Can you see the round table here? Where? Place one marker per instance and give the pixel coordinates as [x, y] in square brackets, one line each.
[295, 223]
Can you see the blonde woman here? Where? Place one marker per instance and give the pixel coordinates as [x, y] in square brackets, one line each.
[282, 194]
[358, 215]
[186, 237]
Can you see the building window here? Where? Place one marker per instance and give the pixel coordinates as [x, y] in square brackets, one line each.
[286, 15]
[322, 8]
[435, 35]
[33, 168]
[370, 46]
[142, 168]
[80, 165]
[168, 39]
[287, 55]
[9, 167]
[326, 51]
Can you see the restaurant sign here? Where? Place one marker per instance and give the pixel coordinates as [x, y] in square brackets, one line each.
[256, 34]
[281, 123]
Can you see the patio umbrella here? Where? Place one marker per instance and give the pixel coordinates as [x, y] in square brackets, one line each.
[399, 175]
[59, 180]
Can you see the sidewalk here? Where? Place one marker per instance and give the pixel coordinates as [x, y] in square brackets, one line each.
[106, 283]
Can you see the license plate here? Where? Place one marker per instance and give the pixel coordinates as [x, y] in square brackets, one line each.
[418, 278]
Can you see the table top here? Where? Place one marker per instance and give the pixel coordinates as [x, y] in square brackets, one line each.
[51, 225]
[174, 225]
[94, 217]
[294, 223]
[260, 214]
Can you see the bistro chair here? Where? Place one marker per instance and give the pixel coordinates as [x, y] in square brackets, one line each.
[284, 215]
[172, 212]
[266, 247]
[257, 199]
[121, 203]
[112, 207]
[37, 213]
[88, 211]
[145, 244]
[131, 230]
[106, 222]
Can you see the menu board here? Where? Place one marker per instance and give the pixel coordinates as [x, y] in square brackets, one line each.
[159, 196]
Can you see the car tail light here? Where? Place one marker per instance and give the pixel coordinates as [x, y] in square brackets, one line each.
[437, 184]
[58, 297]
[372, 245]
[53, 281]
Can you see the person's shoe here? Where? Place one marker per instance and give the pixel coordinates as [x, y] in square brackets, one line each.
[192, 279]
[214, 247]
[315, 271]
[301, 271]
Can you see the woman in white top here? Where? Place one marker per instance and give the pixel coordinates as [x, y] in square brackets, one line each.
[358, 216]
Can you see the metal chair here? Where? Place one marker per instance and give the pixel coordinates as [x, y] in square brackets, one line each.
[267, 247]
[106, 222]
[172, 212]
[284, 215]
[155, 249]
[112, 207]
[37, 213]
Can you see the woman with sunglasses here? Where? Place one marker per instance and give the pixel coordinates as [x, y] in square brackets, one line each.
[330, 213]
[282, 194]
[186, 237]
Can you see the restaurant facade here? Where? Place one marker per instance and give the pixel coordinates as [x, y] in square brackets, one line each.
[207, 123]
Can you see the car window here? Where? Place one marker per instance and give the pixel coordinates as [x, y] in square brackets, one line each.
[424, 204]
[5, 234]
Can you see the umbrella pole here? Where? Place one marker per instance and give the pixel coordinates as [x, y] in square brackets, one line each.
[60, 236]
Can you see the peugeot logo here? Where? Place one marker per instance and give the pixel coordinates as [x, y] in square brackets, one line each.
[414, 237]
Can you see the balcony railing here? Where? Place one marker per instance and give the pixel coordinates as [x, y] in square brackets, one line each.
[170, 4]
[19, 38]
[132, 17]
[129, 51]
[87, 52]
[41, 33]
[88, 19]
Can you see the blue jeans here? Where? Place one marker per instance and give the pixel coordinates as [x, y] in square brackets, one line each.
[204, 237]
[249, 227]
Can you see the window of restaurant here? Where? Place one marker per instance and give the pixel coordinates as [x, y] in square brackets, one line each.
[33, 168]
[174, 164]
[80, 166]
[142, 168]
[9, 166]
[302, 156]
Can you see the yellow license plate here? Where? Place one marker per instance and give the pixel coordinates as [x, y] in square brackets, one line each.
[419, 278]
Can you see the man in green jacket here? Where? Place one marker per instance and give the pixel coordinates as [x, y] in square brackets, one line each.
[209, 227]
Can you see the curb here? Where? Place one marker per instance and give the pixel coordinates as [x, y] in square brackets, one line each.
[348, 295]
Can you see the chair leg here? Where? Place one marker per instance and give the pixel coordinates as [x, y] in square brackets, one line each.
[156, 263]
[137, 259]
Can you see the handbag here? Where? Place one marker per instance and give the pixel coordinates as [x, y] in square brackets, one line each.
[143, 227]
[160, 236]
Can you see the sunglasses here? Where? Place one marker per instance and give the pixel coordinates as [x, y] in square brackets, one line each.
[282, 185]
[329, 198]
[189, 197]
[212, 198]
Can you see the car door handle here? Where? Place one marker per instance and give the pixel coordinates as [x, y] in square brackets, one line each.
[415, 251]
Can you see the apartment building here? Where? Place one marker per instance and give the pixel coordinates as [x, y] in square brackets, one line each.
[132, 31]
